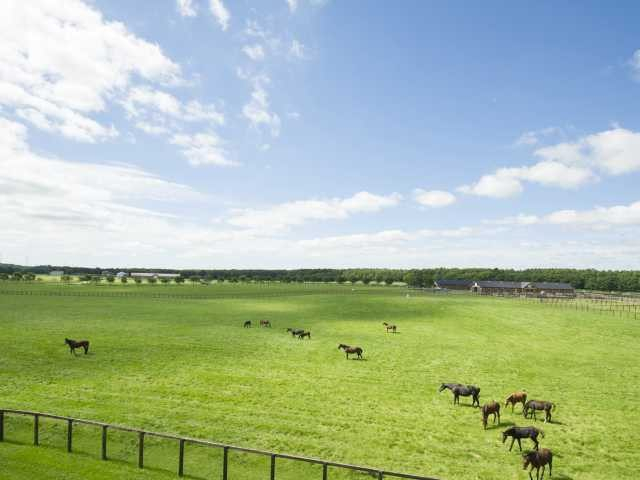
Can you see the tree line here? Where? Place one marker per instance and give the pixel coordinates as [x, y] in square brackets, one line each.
[589, 279]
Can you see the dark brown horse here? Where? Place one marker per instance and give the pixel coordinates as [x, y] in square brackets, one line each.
[466, 391]
[247, 324]
[303, 334]
[77, 344]
[517, 433]
[533, 405]
[348, 349]
[491, 408]
[537, 459]
[295, 331]
[516, 397]
[390, 327]
[265, 323]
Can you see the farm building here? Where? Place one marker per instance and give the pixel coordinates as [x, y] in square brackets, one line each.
[56, 273]
[454, 284]
[499, 287]
[157, 276]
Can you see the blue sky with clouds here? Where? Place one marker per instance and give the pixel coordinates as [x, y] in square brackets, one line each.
[308, 133]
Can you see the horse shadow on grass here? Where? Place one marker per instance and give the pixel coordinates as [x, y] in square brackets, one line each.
[500, 426]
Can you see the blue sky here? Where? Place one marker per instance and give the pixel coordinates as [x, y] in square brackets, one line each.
[309, 133]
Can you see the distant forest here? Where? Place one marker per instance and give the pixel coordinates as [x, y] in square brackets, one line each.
[609, 280]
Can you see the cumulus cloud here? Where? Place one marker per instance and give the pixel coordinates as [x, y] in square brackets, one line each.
[433, 198]
[203, 149]
[297, 49]
[186, 8]
[220, 13]
[57, 88]
[286, 215]
[254, 52]
[258, 111]
[533, 137]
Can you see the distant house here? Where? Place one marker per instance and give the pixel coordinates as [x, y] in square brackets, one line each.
[498, 287]
[121, 274]
[56, 273]
[453, 284]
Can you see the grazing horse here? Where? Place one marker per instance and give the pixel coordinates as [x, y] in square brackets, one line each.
[534, 405]
[295, 331]
[466, 391]
[537, 459]
[517, 433]
[247, 324]
[516, 397]
[347, 350]
[390, 327]
[265, 323]
[303, 334]
[73, 345]
[492, 408]
[449, 386]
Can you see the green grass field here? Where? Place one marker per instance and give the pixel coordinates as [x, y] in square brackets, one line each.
[186, 366]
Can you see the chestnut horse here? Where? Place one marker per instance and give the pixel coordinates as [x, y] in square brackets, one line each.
[537, 459]
[516, 397]
[348, 349]
[73, 345]
[534, 405]
[265, 323]
[492, 408]
[389, 327]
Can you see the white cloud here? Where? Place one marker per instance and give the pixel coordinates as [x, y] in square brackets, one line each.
[57, 88]
[433, 198]
[257, 111]
[254, 52]
[293, 5]
[499, 185]
[220, 12]
[297, 49]
[186, 8]
[614, 152]
[203, 149]
[285, 215]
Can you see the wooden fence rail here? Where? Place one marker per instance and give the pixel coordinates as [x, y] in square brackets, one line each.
[183, 441]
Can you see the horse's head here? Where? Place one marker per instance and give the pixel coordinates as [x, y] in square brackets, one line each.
[442, 387]
[527, 458]
[506, 433]
[66, 341]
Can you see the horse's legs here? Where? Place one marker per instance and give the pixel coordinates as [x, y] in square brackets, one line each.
[542, 477]
[513, 439]
[535, 440]
[519, 444]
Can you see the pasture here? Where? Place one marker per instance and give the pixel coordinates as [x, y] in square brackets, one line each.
[182, 363]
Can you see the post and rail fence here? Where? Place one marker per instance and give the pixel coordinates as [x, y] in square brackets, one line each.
[183, 441]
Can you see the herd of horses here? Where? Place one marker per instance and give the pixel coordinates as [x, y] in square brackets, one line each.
[537, 459]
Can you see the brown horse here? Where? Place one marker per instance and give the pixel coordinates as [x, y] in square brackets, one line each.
[74, 344]
[247, 324]
[537, 459]
[533, 405]
[265, 323]
[389, 327]
[348, 349]
[466, 391]
[518, 433]
[303, 334]
[492, 408]
[516, 397]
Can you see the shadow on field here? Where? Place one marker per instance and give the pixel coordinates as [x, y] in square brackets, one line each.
[501, 426]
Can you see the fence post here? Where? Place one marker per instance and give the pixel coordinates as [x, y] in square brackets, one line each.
[273, 467]
[380, 474]
[36, 425]
[325, 472]
[140, 449]
[181, 459]
[1, 425]
[225, 460]
[104, 442]
[69, 435]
